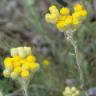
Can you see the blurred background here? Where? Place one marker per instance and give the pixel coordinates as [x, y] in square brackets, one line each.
[22, 23]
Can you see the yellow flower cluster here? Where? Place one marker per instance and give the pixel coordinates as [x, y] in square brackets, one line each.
[71, 91]
[21, 64]
[63, 19]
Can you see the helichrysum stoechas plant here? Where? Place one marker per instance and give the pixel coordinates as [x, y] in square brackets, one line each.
[68, 22]
[71, 91]
[20, 66]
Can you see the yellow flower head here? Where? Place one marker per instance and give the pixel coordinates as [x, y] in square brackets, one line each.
[53, 9]
[31, 58]
[25, 74]
[78, 7]
[52, 18]
[48, 17]
[16, 58]
[62, 18]
[46, 62]
[76, 15]
[25, 66]
[60, 25]
[17, 70]
[16, 64]
[83, 13]
[64, 11]
[68, 21]
[8, 62]
[76, 21]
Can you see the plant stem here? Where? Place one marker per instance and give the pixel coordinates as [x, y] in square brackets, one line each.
[24, 85]
[73, 42]
[25, 90]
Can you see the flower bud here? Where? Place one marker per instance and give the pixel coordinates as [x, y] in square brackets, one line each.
[28, 50]
[53, 9]
[73, 89]
[77, 93]
[47, 17]
[6, 73]
[21, 52]
[14, 75]
[14, 52]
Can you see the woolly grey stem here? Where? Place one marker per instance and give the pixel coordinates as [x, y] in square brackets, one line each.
[78, 61]
[24, 85]
[69, 36]
[25, 90]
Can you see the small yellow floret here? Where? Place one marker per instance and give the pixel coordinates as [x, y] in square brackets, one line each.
[76, 15]
[17, 70]
[47, 17]
[76, 21]
[16, 58]
[8, 62]
[62, 18]
[53, 9]
[31, 58]
[68, 21]
[52, 18]
[83, 13]
[25, 74]
[60, 25]
[46, 62]
[16, 64]
[64, 11]
[25, 66]
[78, 7]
